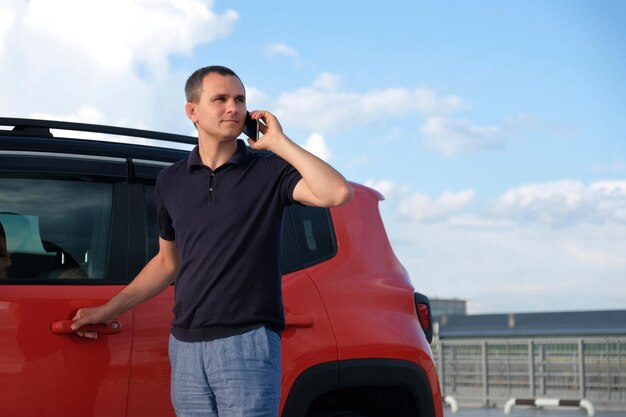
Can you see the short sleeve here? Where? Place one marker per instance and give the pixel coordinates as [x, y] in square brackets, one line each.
[289, 180]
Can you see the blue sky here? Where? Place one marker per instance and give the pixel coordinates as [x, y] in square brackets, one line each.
[495, 130]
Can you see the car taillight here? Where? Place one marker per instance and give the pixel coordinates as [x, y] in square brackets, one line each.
[422, 308]
[424, 315]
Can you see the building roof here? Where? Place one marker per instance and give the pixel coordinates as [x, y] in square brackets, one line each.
[568, 323]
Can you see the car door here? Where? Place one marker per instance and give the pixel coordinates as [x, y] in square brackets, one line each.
[62, 247]
[308, 338]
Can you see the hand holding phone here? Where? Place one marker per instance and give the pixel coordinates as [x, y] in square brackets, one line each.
[261, 122]
[251, 127]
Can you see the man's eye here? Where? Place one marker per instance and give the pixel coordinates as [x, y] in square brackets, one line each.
[240, 100]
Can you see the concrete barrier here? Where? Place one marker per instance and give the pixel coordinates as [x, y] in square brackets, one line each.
[550, 402]
[451, 401]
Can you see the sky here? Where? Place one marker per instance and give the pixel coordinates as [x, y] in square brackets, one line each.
[495, 130]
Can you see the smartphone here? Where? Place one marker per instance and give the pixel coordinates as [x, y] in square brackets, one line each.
[251, 128]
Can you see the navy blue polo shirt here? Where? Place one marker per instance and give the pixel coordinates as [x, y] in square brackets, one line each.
[227, 225]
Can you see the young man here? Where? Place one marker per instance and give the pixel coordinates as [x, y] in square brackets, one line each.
[220, 213]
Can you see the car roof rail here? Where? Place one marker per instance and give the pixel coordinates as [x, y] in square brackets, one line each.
[30, 127]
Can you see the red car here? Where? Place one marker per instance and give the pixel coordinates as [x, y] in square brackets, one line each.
[77, 223]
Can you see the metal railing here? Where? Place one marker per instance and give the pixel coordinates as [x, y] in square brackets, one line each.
[487, 372]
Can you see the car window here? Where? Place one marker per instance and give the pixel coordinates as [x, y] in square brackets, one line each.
[313, 231]
[54, 228]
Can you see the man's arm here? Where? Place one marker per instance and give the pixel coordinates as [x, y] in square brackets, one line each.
[321, 184]
[152, 280]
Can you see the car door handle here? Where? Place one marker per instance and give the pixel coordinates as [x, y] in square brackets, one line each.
[62, 327]
[299, 320]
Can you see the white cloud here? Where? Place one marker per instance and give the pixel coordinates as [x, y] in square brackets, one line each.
[601, 258]
[69, 55]
[316, 144]
[614, 188]
[487, 265]
[7, 17]
[85, 114]
[358, 161]
[564, 202]
[613, 167]
[327, 81]
[386, 187]
[553, 204]
[324, 107]
[257, 99]
[116, 34]
[472, 221]
[452, 137]
[423, 208]
[281, 49]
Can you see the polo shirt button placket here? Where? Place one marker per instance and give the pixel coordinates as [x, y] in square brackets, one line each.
[211, 196]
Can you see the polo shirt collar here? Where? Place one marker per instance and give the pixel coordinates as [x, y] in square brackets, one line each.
[241, 158]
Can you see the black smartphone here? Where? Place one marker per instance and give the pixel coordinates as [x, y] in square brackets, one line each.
[251, 128]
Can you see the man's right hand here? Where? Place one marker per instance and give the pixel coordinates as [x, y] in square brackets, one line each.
[91, 315]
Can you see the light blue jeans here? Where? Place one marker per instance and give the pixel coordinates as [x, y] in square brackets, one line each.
[235, 376]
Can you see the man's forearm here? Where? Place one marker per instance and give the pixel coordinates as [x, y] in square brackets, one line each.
[151, 281]
[321, 184]
[328, 186]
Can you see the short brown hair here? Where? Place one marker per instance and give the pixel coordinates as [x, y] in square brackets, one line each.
[193, 87]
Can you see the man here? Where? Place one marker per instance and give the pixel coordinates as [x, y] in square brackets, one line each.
[220, 213]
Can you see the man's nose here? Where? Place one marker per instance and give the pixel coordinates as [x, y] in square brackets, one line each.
[231, 106]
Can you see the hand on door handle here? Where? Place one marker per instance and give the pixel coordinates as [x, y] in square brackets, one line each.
[62, 327]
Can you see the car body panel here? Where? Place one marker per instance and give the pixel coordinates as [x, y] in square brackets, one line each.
[149, 387]
[44, 374]
[308, 338]
[379, 321]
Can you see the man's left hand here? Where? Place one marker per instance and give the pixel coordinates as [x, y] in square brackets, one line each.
[271, 131]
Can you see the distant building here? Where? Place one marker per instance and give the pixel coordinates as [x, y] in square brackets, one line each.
[487, 359]
[447, 307]
[533, 325]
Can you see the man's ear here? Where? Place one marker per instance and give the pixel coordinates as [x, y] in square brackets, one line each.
[190, 110]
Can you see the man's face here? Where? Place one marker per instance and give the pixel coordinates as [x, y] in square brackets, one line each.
[221, 110]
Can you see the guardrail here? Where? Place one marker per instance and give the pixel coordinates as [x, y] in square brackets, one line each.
[489, 372]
